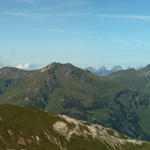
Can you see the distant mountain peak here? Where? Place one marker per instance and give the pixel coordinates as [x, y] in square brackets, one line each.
[117, 68]
[101, 68]
[103, 71]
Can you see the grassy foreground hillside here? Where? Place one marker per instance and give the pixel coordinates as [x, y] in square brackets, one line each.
[65, 89]
[33, 129]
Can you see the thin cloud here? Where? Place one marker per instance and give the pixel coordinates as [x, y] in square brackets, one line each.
[92, 35]
[89, 34]
[65, 4]
[125, 40]
[119, 39]
[57, 30]
[139, 41]
[41, 15]
[25, 1]
[125, 16]
[71, 14]
[95, 38]
[19, 13]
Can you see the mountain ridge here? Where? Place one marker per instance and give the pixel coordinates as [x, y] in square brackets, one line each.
[36, 129]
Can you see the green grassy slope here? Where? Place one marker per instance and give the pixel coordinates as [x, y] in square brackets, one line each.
[10, 77]
[33, 129]
[139, 80]
[135, 79]
[65, 89]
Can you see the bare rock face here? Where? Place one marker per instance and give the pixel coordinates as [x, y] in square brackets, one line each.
[49, 67]
[21, 141]
[97, 132]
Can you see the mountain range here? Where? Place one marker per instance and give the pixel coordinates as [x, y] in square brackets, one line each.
[68, 90]
[103, 71]
[34, 129]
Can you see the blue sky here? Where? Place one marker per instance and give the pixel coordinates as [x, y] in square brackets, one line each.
[34, 33]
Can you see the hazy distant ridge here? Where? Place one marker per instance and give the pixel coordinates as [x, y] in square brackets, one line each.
[103, 71]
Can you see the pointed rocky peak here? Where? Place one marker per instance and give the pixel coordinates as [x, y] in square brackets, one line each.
[117, 68]
[103, 68]
[66, 69]
[139, 68]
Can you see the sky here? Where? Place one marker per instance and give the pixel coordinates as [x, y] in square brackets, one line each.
[35, 33]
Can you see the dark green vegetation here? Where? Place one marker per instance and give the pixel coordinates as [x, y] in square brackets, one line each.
[139, 80]
[33, 129]
[65, 89]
